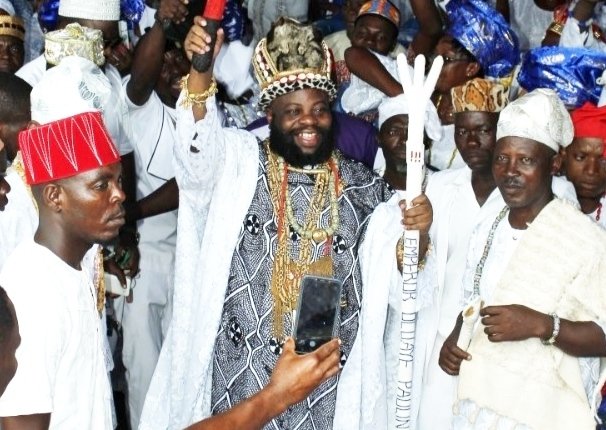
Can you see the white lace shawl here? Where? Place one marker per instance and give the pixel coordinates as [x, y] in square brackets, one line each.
[517, 379]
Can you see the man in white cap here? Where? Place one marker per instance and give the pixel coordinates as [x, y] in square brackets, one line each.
[538, 267]
[376, 358]
[100, 15]
[390, 161]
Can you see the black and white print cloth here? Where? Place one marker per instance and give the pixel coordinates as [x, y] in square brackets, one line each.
[245, 349]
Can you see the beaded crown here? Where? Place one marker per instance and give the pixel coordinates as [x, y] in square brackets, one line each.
[292, 57]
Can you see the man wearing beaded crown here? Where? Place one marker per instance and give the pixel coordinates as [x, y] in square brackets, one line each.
[255, 218]
[538, 267]
[62, 380]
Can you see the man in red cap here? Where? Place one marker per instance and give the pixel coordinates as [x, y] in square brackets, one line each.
[74, 172]
[584, 160]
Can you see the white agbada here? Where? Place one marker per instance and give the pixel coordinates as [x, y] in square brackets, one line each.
[145, 320]
[456, 212]
[61, 359]
[19, 220]
[584, 372]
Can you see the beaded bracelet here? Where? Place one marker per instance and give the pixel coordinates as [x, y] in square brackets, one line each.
[197, 99]
[400, 255]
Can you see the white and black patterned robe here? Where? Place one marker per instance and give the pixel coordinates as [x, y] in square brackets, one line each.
[245, 351]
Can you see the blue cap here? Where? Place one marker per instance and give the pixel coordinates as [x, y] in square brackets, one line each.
[571, 72]
[484, 32]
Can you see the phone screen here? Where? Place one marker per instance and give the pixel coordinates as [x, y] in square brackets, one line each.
[318, 312]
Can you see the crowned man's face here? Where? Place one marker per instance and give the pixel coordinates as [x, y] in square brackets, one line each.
[301, 126]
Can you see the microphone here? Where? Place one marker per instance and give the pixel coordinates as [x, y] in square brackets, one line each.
[213, 14]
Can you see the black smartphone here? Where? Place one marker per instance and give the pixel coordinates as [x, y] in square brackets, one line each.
[317, 318]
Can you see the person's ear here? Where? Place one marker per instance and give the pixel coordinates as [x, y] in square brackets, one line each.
[32, 124]
[472, 69]
[269, 114]
[52, 196]
[556, 164]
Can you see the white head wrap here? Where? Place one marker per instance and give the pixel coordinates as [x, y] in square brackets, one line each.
[7, 6]
[75, 86]
[539, 115]
[399, 106]
[102, 10]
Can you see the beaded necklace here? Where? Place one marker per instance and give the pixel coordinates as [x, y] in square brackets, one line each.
[599, 211]
[480, 267]
[287, 272]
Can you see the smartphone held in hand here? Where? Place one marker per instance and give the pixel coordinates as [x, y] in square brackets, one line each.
[317, 317]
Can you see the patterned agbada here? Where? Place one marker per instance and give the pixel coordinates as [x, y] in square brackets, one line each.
[246, 349]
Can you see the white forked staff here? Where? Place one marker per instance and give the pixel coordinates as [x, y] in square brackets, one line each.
[418, 90]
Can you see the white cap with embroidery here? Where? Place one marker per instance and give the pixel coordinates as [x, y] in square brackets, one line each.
[539, 115]
[101, 10]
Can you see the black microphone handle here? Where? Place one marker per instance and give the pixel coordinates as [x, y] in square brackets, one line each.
[202, 62]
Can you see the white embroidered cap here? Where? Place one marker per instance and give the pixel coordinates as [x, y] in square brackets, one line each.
[74, 86]
[102, 10]
[539, 115]
[399, 106]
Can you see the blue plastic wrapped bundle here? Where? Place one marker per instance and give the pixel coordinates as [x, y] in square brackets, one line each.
[571, 72]
[131, 11]
[48, 14]
[484, 32]
[233, 21]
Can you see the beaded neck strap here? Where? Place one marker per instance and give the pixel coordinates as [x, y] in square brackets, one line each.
[480, 267]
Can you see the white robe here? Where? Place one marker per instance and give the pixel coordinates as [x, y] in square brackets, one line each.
[445, 190]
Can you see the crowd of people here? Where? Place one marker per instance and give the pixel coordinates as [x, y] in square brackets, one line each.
[158, 217]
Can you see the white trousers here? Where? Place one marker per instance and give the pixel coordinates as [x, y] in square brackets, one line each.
[438, 393]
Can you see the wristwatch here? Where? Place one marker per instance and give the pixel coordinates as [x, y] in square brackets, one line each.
[164, 22]
[556, 330]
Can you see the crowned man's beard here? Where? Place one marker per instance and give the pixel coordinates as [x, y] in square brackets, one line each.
[284, 145]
